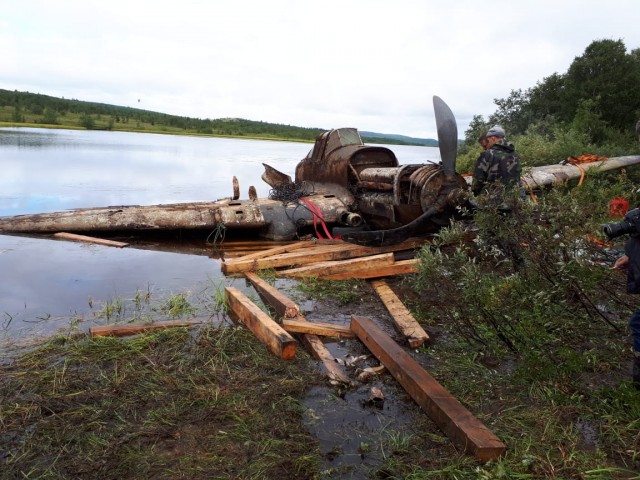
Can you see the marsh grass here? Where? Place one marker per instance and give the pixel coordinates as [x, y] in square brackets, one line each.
[343, 291]
[165, 405]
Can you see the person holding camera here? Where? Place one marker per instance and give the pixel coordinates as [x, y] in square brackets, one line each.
[630, 261]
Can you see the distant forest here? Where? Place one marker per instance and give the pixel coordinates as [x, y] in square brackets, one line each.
[37, 109]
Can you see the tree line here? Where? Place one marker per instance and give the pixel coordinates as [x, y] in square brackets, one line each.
[23, 107]
[598, 96]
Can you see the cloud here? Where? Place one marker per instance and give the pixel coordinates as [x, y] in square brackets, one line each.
[369, 64]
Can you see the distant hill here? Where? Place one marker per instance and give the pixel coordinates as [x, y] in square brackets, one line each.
[38, 109]
[372, 137]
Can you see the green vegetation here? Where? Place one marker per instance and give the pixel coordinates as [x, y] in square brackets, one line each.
[528, 324]
[30, 109]
[592, 108]
[536, 335]
[165, 405]
[36, 110]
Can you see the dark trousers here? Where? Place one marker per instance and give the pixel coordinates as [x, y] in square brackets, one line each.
[634, 323]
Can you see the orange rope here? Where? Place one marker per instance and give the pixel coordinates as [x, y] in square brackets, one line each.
[586, 158]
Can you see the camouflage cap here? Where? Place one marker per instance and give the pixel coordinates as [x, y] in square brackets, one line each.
[496, 131]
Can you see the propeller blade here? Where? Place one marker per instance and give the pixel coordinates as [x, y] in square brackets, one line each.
[447, 134]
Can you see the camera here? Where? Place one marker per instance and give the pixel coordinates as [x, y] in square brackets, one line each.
[629, 224]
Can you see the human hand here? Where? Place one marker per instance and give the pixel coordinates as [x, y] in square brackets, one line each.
[621, 263]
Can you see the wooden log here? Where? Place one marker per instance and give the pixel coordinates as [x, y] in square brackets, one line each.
[135, 328]
[283, 305]
[277, 340]
[300, 325]
[446, 411]
[320, 352]
[396, 268]
[329, 268]
[402, 318]
[84, 238]
[322, 253]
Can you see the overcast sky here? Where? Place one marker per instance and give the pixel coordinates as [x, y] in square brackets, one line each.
[372, 64]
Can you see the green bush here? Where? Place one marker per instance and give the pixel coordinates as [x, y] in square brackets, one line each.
[536, 280]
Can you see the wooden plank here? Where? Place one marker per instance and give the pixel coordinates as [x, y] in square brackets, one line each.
[288, 309]
[446, 411]
[292, 247]
[329, 268]
[320, 352]
[277, 340]
[402, 318]
[84, 238]
[300, 325]
[310, 255]
[284, 306]
[397, 268]
[135, 328]
[331, 252]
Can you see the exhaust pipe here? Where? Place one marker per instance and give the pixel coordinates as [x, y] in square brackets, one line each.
[351, 219]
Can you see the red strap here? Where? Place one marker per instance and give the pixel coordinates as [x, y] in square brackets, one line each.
[317, 214]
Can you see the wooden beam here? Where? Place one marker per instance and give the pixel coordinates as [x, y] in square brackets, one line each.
[135, 328]
[446, 411]
[321, 253]
[317, 254]
[277, 340]
[83, 238]
[300, 325]
[329, 268]
[320, 352]
[288, 309]
[284, 306]
[396, 268]
[269, 252]
[402, 318]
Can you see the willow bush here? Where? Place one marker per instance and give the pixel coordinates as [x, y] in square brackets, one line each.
[536, 280]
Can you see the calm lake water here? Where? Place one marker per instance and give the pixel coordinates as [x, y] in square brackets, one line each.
[49, 284]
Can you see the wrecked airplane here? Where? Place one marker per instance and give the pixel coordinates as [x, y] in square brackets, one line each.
[342, 187]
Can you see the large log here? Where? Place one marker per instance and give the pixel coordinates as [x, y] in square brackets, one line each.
[277, 340]
[558, 174]
[448, 413]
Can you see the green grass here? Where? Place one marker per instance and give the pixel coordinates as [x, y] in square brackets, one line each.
[166, 405]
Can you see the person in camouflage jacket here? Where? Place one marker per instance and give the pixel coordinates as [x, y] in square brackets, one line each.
[498, 167]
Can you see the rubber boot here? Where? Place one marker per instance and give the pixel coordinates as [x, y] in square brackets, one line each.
[636, 371]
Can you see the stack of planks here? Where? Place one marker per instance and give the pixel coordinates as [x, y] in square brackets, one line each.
[459, 424]
[327, 259]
